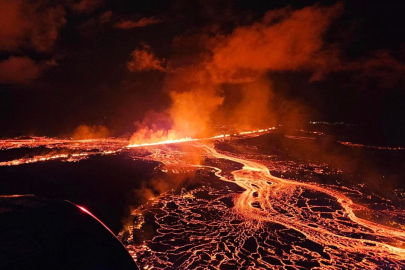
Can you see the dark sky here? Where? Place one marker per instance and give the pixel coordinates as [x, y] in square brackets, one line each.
[68, 63]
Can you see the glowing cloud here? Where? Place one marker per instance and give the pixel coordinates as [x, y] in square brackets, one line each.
[143, 59]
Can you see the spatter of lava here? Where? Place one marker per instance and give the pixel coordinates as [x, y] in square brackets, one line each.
[273, 224]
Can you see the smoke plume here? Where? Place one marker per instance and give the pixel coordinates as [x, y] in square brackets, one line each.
[203, 65]
[143, 59]
[85, 132]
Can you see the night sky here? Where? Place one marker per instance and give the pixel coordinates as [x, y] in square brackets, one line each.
[109, 63]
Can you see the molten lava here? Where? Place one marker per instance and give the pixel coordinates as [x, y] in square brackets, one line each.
[61, 149]
[273, 223]
[253, 220]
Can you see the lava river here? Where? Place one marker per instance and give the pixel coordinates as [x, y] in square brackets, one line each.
[271, 223]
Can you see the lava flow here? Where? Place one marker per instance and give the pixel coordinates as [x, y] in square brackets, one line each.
[76, 150]
[249, 218]
[273, 223]
[60, 149]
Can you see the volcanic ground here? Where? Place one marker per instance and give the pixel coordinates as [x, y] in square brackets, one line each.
[258, 200]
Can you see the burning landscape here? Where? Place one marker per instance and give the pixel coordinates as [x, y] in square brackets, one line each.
[203, 153]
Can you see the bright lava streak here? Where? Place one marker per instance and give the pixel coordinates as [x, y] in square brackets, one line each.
[187, 139]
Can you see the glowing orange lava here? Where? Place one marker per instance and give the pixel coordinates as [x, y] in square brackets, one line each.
[61, 149]
[273, 223]
[309, 212]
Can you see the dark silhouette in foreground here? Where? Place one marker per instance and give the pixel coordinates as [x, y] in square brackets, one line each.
[37, 233]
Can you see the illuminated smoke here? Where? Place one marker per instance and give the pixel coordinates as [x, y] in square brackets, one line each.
[19, 70]
[32, 26]
[284, 40]
[85, 132]
[144, 59]
[35, 24]
[87, 6]
[253, 108]
[129, 24]
[202, 65]
[191, 111]
[153, 128]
